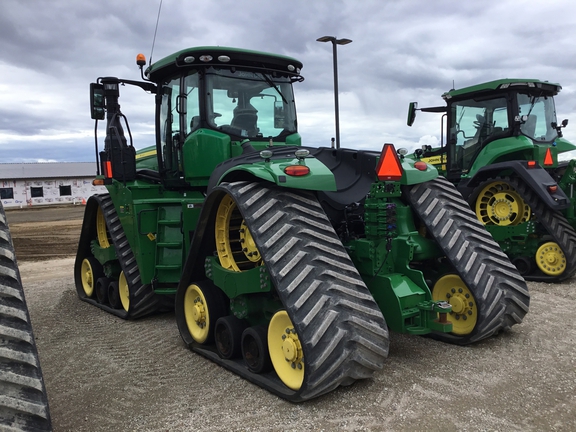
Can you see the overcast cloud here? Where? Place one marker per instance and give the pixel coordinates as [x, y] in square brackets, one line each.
[402, 51]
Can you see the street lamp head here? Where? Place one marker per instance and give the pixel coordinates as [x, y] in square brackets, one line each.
[326, 39]
[343, 41]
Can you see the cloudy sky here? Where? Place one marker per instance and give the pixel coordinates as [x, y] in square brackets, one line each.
[402, 51]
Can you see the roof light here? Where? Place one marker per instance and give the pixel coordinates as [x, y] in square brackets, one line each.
[189, 59]
[531, 164]
[548, 158]
[206, 58]
[224, 58]
[141, 60]
[389, 167]
[297, 170]
[422, 166]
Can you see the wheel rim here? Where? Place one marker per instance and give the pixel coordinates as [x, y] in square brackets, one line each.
[124, 292]
[196, 313]
[88, 280]
[499, 204]
[550, 259]
[102, 230]
[234, 243]
[451, 288]
[286, 350]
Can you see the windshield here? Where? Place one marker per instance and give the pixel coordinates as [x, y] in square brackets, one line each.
[540, 114]
[250, 104]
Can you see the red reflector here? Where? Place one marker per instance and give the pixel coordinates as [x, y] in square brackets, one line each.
[389, 166]
[297, 170]
[531, 164]
[108, 169]
[548, 158]
[422, 166]
[552, 189]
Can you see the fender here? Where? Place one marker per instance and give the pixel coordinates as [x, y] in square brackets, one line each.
[252, 166]
[537, 179]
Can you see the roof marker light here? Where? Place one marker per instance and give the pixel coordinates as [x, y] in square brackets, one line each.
[291, 68]
[224, 58]
[206, 58]
[548, 158]
[389, 167]
[189, 59]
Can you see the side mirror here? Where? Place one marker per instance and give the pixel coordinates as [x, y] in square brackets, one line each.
[412, 113]
[279, 115]
[97, 101]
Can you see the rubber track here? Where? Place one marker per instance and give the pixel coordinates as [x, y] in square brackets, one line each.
[557, 226]
[344, 335]
[23, 400]
[143, 300]
[501, 294]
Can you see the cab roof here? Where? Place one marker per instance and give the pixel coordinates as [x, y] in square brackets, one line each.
[503, 84]
[224, 57]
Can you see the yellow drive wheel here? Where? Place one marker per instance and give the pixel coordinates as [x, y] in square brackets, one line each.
[499, 204]
[124, 292]
[286, 350]
[102, 230]
[550, 259]
[90, 271]
[234, 243]
[451, 288]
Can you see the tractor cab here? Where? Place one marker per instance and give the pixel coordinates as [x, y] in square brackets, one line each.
[212, 104]
[495, 122]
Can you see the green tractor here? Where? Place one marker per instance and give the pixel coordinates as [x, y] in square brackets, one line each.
[505, 153]
[285, 264]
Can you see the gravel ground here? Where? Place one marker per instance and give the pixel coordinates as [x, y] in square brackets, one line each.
[106, 374]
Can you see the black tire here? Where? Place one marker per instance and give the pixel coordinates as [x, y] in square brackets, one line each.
[255, 349]
[23, 400]
[102, 290]
[501, 294]
[114, 295]
[228, 336]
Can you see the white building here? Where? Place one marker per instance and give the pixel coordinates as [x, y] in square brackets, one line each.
[31, 184]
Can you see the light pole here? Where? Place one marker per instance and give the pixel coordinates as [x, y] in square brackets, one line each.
[335, 60]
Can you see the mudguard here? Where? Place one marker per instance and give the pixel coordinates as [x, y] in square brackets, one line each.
[536, 177]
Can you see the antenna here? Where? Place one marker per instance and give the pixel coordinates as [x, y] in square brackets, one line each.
[155, 31]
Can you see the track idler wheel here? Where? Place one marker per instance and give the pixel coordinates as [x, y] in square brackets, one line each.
[203, 306]
[255, 349]
[91, 271]
[286, 350]
[464, 315]
[550, 259]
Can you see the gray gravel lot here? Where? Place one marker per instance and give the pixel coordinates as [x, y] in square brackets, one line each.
[105, 374]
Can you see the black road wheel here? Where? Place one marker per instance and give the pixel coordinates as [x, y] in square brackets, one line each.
[23, 400]
[255, 349]
[499, 295]
[102, 290]
[228, 336]
[114, 295]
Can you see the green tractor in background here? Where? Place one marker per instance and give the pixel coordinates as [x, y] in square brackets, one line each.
[285, 264]
[506, 155]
